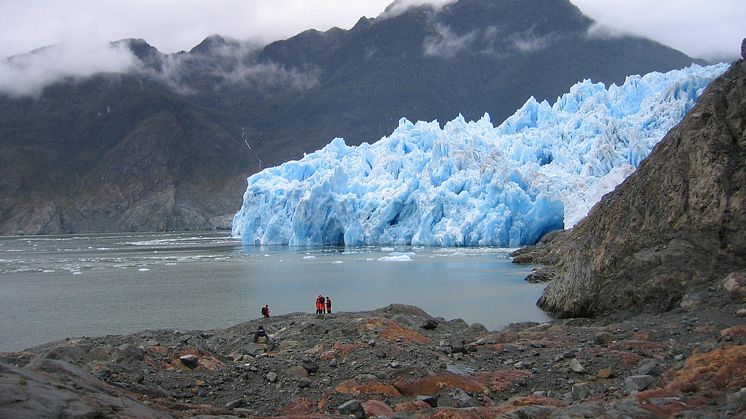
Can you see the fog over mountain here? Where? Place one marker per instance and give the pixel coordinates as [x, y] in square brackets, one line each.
[155, 141]
[702, 29]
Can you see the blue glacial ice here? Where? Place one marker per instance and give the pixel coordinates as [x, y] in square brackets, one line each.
[471, 183]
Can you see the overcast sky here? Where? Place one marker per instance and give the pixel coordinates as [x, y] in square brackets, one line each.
[702, 28]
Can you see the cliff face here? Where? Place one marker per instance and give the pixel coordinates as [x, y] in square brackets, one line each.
[674, 226]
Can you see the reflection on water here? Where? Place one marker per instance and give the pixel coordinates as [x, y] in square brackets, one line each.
[66, 286]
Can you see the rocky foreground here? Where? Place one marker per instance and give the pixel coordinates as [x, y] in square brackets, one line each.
[398, 362]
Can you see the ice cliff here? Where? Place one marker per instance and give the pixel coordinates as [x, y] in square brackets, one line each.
[471, 183]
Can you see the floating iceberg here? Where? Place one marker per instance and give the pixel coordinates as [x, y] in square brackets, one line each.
[471, 183]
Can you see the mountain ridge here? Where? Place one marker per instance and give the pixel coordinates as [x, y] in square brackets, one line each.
[256, 107]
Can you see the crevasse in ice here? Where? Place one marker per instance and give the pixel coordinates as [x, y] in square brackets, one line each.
[471, 183]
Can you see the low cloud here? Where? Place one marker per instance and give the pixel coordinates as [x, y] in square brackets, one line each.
[230, 64]
[602, 31]
[528, 42]
[446, 44]
[29, 74]
[269, 75]
[400, 6]
[710, 29]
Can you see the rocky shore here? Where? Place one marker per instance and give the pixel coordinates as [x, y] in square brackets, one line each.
[398, 362]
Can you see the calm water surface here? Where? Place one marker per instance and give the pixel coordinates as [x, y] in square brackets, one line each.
[53, 287]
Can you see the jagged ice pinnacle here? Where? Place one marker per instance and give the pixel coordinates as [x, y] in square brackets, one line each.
[471, 183]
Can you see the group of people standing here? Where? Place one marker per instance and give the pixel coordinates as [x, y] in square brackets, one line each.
[323, 305]
[261, 338]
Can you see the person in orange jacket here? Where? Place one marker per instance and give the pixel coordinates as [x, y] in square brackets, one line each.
[320, 304]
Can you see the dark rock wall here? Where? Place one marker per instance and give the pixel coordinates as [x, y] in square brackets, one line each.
[675, 224]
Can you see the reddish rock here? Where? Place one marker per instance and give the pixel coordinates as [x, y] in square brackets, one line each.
[502, 380]
[638, 345]
[339, 350]
[431, 384]
[734, 331]
[377, 408]
[392, 331]
[534, 400]
[628, 359]
[605, 373]
[642, 335]
[353, 388]
[550, 338]
[705, 328]
[667, 407]
[545, 405]
[711, 373]
[298, 406]
[323, 401]
[411, 407]
[498, 347]
[454, 413]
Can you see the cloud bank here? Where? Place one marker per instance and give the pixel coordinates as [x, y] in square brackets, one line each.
[28, 74]
[81, 31]
[230, 64]
[709, 29]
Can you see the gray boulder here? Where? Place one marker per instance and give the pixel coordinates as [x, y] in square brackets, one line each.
[310, 365]
[735, 284]
[648, 367]
[580, 391]
[575, 366]
[190, 361]
[55, 388]
[252, 349]
[352, 407]
[637, 383]
[429, 324]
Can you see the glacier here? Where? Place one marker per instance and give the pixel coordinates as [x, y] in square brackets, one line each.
[471, 183]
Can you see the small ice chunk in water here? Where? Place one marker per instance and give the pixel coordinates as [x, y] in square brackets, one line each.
[400, 258]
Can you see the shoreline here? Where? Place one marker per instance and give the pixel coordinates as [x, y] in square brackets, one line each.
[175, 283]
[398, 361]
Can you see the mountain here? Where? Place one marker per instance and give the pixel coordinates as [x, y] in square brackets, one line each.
[671, 233]
[471, 184]
[168, 144]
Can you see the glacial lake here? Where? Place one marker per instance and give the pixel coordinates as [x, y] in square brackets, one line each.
[54, 287]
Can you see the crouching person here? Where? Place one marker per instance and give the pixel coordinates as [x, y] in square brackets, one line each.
[261, 338]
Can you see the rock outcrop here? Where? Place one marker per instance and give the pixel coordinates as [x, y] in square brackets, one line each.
[675, 227]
